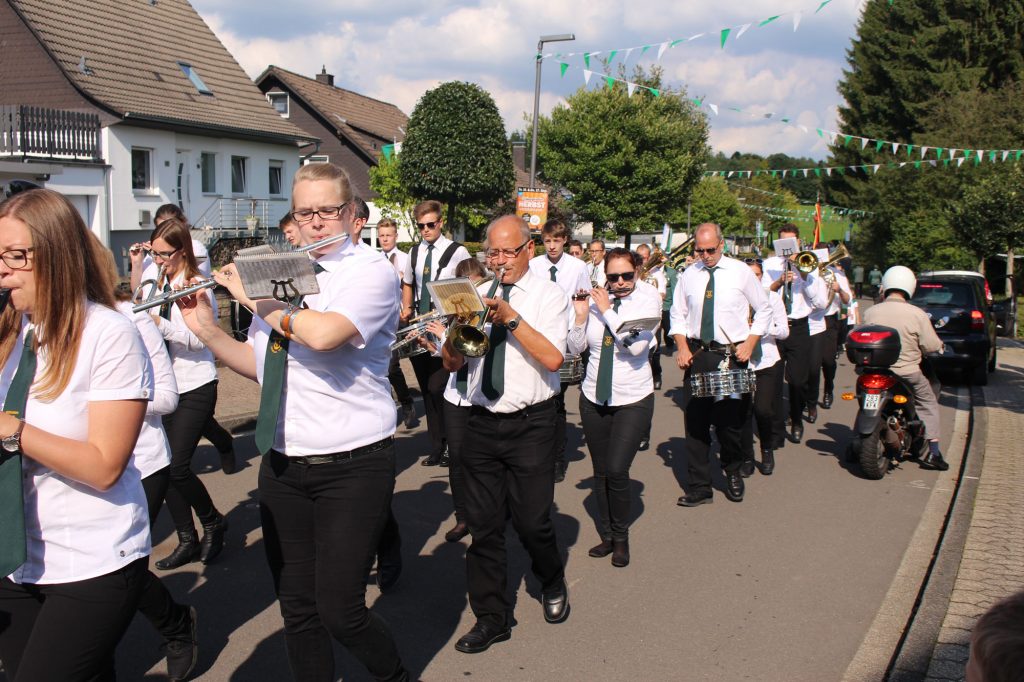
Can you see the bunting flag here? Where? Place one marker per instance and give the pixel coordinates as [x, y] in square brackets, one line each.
[806, 212]
[1012, 155]
[837, 210]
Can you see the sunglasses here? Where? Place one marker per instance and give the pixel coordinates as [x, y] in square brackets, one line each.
[624, 276]
[428, 226]
[710, 252]
[752, 261]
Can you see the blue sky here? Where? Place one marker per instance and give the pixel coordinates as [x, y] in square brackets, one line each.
[396, 50]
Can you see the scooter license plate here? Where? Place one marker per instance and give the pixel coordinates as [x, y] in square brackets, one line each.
[872, 401]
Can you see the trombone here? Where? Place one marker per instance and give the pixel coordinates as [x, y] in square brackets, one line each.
[171, 296]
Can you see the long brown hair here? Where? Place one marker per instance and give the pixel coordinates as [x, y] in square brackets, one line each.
[66, 263]
[176, 234]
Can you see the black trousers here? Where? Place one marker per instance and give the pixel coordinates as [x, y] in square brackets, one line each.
[726, 415]
[779, 412]
[666, 324]
[796, 352]
[67, 632]
[218, 435]
[432, 378]
[397, 378]
[184, 428]
[766, 402]
[613, 436]
[168, 617]
[508, 468]
[816, 363]
[321, 528]
[456, 419]
[561, 419]
[829, 348]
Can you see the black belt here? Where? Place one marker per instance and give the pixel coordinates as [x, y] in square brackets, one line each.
[833, 316]
[518, 414]
[311, 460]
[797, 321]
[714, 346]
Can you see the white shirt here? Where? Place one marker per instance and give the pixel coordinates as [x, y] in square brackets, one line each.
[192, 361]
[451, 391]
[844, 285]
[778, 329]
[545, 307]
[436, 272]
[596, 273]
[400, 262]
[340, 399]
[808, 294]
[736, 292]
[75, 532]
[152, 451]
[570, 272]
[202, 259]
[659, 279]
[631, 371]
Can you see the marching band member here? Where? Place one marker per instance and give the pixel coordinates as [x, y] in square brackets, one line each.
[434, 258]
[595, 269]
[841, 296]
[387, 235]
[767, 365]
[76, 379]
[710, 321]
[506, 456]
[326, 429]
[617, 395]
[574, 247]
[196, 376]
[571, 275]
[801, 294]
[656, 278]
[290, 229]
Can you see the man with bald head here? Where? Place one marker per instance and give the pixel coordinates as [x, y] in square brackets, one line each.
[507, 460]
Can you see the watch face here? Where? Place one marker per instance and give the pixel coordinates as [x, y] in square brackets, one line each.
[10, 446]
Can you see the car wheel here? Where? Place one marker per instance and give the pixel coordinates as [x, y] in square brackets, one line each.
[992, 362]
[979, 375]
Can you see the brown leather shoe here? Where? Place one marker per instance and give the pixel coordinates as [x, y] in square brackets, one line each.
[602, 550]
[620, 554]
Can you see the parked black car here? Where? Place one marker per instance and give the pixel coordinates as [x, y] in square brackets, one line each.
[960, 311]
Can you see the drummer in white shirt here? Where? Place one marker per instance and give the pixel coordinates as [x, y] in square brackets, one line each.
[572, 276]
[617, 396]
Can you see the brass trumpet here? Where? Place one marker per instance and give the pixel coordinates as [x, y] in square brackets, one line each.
[467, 335]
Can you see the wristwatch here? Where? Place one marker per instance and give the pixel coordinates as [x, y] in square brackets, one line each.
[12, 443]
[513, 324]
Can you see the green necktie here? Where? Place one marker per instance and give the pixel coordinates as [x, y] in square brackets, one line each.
[554, 273]
[12, 509]
[755, 355]
[494, 363]
[707, 315]
[604, 365]
[462, 376]
[165, 309]
[787, 294]
[424, 291]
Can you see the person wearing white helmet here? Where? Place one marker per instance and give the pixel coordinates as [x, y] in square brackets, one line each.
[917, 337]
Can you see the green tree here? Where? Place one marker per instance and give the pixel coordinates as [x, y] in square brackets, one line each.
[626, 161]
[990, 216]
[393, 199]
[714, 202]
[456, 151]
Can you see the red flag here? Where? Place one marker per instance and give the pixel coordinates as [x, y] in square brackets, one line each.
[817, 222]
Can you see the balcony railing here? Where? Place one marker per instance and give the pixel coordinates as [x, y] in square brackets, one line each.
[235, 218]
[49, 133]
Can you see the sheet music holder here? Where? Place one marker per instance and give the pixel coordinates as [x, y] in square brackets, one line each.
[643, 324]
[267, 273]
[457, 296]
[785, 247]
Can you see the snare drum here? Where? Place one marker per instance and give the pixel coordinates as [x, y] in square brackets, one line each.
[722, 383]
[572, 370]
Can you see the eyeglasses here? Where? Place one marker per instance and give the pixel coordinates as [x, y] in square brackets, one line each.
[164, 255]
[752, 261]
[428, 226]
[710, 252]
[507, 253]
[16, 259]
[624, 276]
[326, 213]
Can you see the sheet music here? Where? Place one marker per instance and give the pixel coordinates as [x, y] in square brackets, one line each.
[785, 247]
[276, 275]
[260, 249]
[641, 325]
[456, 296]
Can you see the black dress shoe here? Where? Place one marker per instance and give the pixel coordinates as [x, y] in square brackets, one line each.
[556, 603]
[734, 487]
[481, 637]
[826, 402]
[561, 466]
[933, 460]
[460, 531]
[182, 652]
[812, 414]
[747, 468]
[602, 550]
[645, 444]
[620, 553]
[767, 462]
[657, 384]
[695, 499]
[797, 433]
[213, 539]
[409, 419]
[444, 461]
[432, 461]
[227, 461]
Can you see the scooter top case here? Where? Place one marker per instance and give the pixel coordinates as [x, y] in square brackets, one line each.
[873, 345]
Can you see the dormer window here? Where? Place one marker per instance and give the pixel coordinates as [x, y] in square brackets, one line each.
[279, 100]
[193, 76]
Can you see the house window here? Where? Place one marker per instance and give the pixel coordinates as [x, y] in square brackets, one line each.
[276, 175]
[208, 165]
[280, 102]
[142, 169]
[316, 159]
[238, 174]
[193, 75]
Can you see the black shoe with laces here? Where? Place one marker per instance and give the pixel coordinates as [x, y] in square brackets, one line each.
[183, 652]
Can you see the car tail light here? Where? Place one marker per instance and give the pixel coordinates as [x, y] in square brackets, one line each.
[988, 292]
[977, 321]
[876, 382]
[868, 337]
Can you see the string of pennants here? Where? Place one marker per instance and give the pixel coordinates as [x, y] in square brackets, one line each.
[871, 168]
[841, 210]
[723, 35]
[827, 212]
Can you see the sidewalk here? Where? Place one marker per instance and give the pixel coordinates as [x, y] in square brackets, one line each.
[992, 566]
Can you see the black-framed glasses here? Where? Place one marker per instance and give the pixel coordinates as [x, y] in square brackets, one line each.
[325, 213]
[507, 253]
[164, 255]
[614, 277]
[709, 251]
[428, 226]
[16, 259]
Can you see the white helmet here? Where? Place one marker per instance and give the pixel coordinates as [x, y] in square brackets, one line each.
[899, 277]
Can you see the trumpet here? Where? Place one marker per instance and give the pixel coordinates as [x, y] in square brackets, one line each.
[154, 301]
[406, 336]
[467, 336]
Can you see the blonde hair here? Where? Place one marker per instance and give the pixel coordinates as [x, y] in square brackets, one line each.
[325, 171]
[69, 270]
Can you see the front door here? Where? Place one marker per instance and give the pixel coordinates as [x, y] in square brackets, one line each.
[182, 194]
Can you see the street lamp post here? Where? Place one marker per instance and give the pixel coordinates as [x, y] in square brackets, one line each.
[536, 98]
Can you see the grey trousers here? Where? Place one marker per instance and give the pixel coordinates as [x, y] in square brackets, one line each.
[926, 400]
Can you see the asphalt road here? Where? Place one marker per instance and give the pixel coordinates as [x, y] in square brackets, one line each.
[782, 586]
